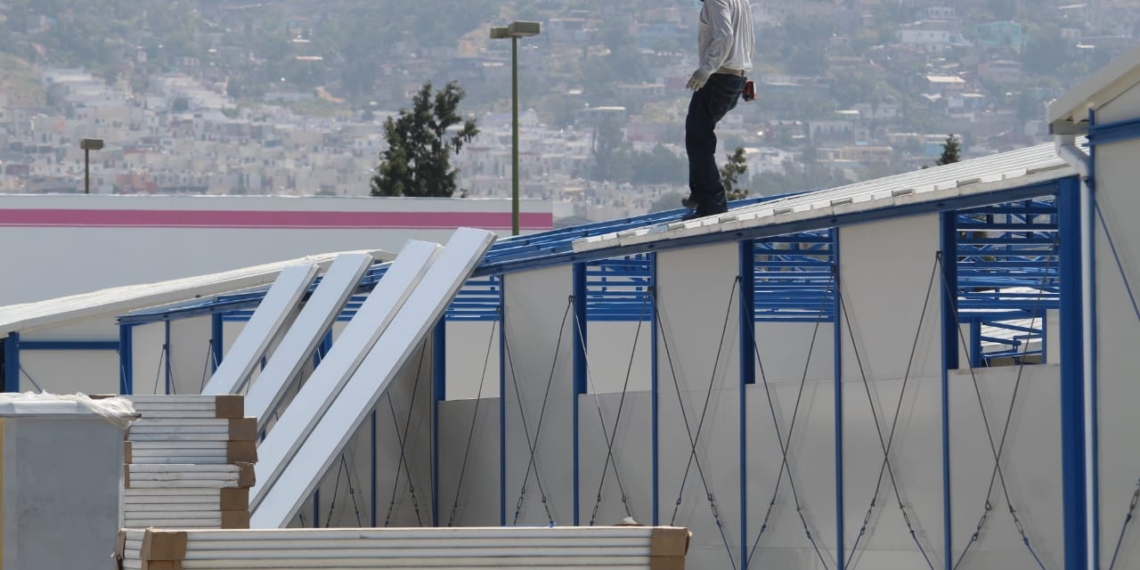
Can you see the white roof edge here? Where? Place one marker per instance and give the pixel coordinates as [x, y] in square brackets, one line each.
[732, 221]
[1109, 82]
[28, 317]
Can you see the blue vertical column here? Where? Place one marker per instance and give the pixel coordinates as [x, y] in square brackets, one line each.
[1073, 450]
[747, 376]
[840, 524]
[950, 332]
[217, 338]
[581, 369]
[126, 359]
[503, 400]
[439, 394]
[12, 363]
[653, 377]
[372, 469]
[168, 371]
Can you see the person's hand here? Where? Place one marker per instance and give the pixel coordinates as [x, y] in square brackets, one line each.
[698, 80]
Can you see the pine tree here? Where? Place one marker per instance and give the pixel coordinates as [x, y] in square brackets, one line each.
[730, 175]
[950, 151]
[417, 162]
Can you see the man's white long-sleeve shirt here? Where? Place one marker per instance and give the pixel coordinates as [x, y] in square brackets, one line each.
[726, 36]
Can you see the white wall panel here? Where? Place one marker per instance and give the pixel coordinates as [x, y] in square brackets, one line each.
[148, 358]
[785, 349]
[885, 316]
[696, 290]
[70, 371]
[1031, 466]
[631, 462]
[472, 433]
[189, 235]
[472, 358]
[190, 354]
[1118, 335]
[536, 302]
[409, 395]
[613, 355]
[811, 462]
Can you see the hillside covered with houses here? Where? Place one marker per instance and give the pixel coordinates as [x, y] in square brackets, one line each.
[288, 96]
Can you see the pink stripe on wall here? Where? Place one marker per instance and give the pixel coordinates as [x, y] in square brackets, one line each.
[232, 219]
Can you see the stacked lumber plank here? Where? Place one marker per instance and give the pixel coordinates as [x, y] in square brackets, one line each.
[632, 547]
[189, 462]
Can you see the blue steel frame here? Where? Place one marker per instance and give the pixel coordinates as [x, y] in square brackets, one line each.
[439, 394]
[654, 417]
[502, 406]
[747, 336]
[840, 502]
[950, 336]
[1072, 380]
[580, 371]
[13, 345]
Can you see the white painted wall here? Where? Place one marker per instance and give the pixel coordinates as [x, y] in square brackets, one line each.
[122, 240]
[472, 359]
[878, 329]
[1118, 330]
[536, 303]
[469, 463]
[696, 290]
[615, 351]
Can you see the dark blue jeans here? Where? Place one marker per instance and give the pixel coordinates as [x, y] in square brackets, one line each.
[708, 106]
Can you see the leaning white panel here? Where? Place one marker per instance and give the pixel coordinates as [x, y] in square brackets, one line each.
[280, 502]
[305, 333]
[335, 369]
[263, 327]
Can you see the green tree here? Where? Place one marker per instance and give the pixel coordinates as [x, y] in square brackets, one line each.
[418, 159]
[951, 150]
[730, 175]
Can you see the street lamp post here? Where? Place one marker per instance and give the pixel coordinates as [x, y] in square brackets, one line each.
[88, 145]
[514, 31]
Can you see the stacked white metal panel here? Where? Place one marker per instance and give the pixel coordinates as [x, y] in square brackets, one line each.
[302, 460]
[631, 547]
[189, 462]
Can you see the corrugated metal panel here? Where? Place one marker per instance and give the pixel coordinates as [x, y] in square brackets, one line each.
[1013, 169]
[506, 547]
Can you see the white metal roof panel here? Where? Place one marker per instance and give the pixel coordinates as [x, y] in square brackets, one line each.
[1002, 171]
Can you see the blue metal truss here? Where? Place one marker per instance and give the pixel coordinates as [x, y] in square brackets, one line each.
[1000, 247]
